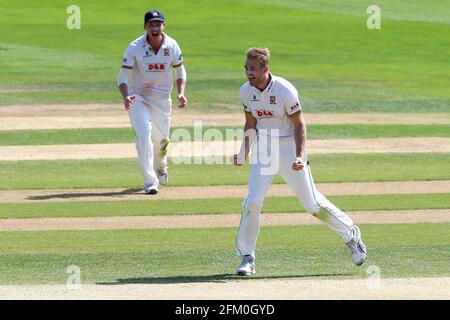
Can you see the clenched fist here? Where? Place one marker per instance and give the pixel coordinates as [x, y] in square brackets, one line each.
[298, 164]
[128, 101]
[182, 100]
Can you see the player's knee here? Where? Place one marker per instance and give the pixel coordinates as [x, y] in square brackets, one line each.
[313, 208]
[164, 143]
[251, 207]
[144, 135]
[163, 146]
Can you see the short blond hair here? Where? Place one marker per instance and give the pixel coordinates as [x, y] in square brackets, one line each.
[262, 55]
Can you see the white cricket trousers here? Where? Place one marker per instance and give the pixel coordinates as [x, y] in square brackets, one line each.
[274, 156]
[150, 119]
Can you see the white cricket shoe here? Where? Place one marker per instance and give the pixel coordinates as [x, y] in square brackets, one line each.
[163, 176]
[357, 247]
[151, 188]
[247, 267]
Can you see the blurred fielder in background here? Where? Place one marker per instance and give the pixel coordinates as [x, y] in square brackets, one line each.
[145, 81]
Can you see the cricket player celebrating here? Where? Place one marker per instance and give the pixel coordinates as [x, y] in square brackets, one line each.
[275, 126]
[145, 81]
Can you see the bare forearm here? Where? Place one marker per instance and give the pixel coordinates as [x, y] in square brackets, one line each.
[300, 140]
[249, 138]
[123, 88]
[181, 85]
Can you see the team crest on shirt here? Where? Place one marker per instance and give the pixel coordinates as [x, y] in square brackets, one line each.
[166, 52]
[272, 100]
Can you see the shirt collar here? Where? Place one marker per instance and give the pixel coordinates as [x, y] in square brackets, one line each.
[269, 86]
[271, 82]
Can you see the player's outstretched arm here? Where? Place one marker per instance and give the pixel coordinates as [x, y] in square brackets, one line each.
[247, 142]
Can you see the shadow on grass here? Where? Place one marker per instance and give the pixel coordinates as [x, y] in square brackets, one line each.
[219, 278]
[87, 194]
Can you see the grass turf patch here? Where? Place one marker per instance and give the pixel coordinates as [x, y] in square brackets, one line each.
[175, 256]
[215, 206]
[124, 135]
[397, 10]
[338, 66]
[124, 173]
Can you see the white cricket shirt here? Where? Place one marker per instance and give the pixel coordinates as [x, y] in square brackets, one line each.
[152, 72]
[272, 106]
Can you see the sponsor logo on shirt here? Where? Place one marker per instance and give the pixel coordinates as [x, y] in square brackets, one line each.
[295, 106]
[156, 67]
[272, 100]
[264, 113]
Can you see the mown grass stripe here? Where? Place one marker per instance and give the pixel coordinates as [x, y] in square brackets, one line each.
[124, 135]
[124, 173]
[175, 256]
[215, 206]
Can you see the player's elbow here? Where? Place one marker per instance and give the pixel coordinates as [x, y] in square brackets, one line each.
[250, 127]
[123, 76]
[313, 208]
[250, 121]
[180, 73]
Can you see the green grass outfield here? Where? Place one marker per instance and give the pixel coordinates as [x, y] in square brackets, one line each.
[123, 135]
[124, 173]
[216, 206]
[173, 256]
[324, 48]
